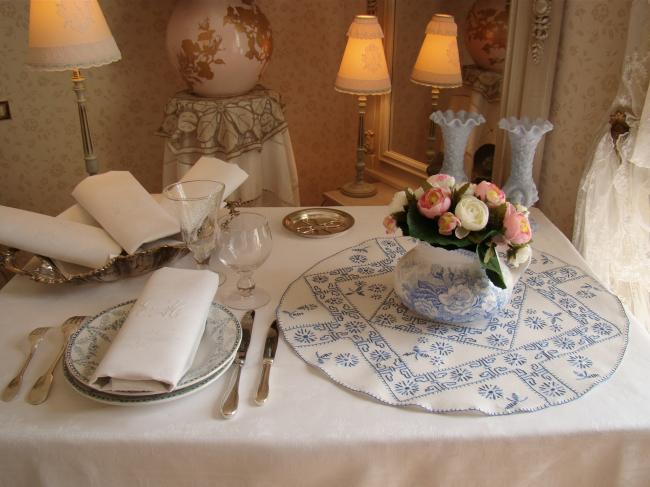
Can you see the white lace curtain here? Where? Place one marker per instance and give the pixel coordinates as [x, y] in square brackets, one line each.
[612, 219]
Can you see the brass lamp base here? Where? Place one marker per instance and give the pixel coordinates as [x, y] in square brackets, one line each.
[359, 189]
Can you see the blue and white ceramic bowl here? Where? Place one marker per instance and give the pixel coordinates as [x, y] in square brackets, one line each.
[449, 286]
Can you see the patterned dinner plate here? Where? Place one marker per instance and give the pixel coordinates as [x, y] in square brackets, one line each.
[560, 335]
[119, 400]
[88, 345]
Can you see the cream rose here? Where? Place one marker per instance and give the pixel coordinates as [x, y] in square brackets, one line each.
[521, 256]
[472, 213]
[398, 203]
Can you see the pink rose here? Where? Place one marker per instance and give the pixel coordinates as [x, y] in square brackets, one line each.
[434, 202]
[390, 224]
[490, 193]
[447, 223]
[443, 181]
[516, 226]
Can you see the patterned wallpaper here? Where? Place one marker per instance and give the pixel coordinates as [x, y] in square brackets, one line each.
[592, 47]
[40, 148]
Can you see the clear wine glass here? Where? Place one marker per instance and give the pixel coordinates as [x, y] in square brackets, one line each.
[245, 242]
[196, 204]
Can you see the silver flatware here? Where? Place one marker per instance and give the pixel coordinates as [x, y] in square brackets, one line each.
[41, 389]
[270, 347]
[231, 402]
[35, 338]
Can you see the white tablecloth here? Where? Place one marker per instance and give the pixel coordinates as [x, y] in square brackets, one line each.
[311, 431]
[272, 175]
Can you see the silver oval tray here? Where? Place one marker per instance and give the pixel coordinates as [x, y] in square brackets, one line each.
[42, 269]
[318, 222]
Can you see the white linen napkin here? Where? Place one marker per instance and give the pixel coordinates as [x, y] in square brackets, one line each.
[57, 238]
[124, 209]
[157, 342]
[215, 169]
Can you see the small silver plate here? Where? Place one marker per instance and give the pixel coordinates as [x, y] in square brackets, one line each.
[318, 222]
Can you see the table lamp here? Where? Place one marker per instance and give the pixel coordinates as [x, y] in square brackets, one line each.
[363, 72]
[437, 66]
[70, 35]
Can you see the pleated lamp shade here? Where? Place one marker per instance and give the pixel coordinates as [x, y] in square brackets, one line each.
[363, 69]
[438, 63]
[69, 34]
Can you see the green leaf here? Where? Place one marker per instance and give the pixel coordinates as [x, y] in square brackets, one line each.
[490, 262]
[426, 229]
[496, 216]
[458, 194]
[482, 236]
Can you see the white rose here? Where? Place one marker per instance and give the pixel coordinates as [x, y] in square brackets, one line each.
[443, 181]
[521, 256]
[472, 213]
[398, 203]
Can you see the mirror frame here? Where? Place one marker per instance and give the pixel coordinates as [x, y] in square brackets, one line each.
[533, 40]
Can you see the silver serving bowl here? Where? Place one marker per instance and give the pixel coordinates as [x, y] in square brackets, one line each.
[42, 269]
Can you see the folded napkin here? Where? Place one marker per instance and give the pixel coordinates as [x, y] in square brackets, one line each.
[124, 209]
[157, 342]
[58, 238]
[214, 169]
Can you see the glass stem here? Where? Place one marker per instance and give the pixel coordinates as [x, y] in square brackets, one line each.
[202, 264]
[245, 284]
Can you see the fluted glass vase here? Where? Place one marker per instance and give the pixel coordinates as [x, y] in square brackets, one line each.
[456, 127]
[524, 135]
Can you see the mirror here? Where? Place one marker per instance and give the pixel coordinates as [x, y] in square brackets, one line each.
[507, 51]
[482, 40]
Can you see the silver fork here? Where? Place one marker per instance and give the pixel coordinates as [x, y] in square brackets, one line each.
[35, 338]
[41, 389]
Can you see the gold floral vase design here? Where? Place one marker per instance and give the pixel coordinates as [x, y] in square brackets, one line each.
[220, 47]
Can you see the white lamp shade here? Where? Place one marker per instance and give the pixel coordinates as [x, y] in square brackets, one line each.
[438, 63]
[363, 68]
[69, 34]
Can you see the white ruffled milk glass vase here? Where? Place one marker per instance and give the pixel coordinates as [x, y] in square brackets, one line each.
[524, 135]
[456, 127]
[450, 286]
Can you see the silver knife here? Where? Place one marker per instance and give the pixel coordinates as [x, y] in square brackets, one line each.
[230, 403]
[270, 347]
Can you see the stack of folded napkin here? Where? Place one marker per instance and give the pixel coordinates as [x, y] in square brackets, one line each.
[157, 342]
[113, 212]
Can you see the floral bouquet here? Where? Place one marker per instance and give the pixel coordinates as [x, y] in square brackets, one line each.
[474, 217]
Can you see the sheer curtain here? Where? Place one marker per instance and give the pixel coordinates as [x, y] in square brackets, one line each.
[612, 219]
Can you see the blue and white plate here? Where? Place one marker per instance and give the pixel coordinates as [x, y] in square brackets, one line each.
[89, 344]
[560, 335]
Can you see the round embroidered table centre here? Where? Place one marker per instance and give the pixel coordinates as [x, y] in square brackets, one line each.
[561, 334]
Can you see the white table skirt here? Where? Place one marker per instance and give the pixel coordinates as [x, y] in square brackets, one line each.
[272, 174]
[311, 432]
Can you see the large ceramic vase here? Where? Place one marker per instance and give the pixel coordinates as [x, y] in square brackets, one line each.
[450, 287]
[486, 34]
[220, 47]
[524, 136]
[456, 127]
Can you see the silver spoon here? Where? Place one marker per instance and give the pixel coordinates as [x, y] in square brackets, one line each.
[41, 389]
[35, 338]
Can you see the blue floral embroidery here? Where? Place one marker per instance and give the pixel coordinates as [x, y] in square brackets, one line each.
[379, 355]
[460, 375]
[417, 353]
[497, 340]
[322, 357]
[407, 388]
[553, 388]
[580, 361]
[534, 322]
[347, 359]
[441, 348]
[304, 335]
[436, 360]
[355, 327]
[490, 391]
[603, 329]
[514, 358]
[564, 343]
[358, 259]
